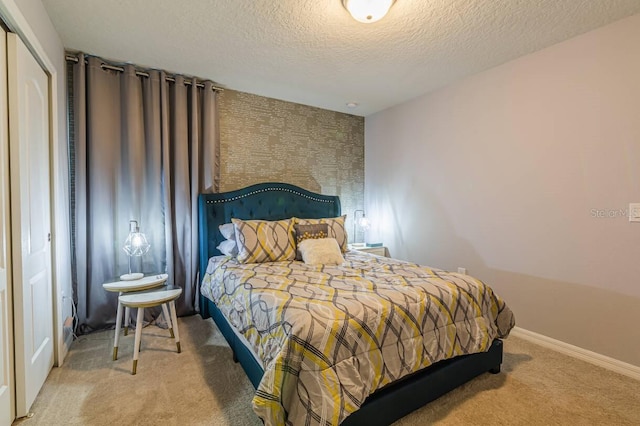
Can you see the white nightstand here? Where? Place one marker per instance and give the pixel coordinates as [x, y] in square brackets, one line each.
[146, 299]
[380, 251]
[151, 281]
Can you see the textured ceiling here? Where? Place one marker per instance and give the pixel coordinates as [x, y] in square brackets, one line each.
[312, 52]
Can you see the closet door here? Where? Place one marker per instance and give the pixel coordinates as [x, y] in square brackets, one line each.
[7, 411]
[30, 222]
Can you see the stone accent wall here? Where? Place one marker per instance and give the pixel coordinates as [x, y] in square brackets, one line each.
[269, 140]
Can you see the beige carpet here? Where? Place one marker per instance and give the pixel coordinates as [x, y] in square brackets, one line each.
[203, 386]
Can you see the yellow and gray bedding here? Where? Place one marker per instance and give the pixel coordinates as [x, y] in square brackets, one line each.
[330, 335]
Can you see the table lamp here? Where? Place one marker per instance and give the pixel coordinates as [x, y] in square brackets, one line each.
[360, 222]
[135, 245]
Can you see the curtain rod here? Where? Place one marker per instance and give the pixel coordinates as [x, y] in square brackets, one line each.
[104, 66]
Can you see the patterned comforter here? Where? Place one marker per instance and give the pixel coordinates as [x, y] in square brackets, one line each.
[328, 336]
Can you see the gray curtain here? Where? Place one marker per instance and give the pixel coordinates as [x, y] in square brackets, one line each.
[144, 149]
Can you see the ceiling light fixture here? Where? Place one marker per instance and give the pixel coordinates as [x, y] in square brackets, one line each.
[368, 11]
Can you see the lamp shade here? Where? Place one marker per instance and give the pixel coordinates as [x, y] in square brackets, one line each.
[135, 245]
[368, 11]
[364, 223]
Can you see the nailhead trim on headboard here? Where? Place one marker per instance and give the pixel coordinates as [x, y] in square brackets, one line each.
[267, 190]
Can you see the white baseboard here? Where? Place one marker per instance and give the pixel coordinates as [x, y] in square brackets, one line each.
[603, 361]
[67, 344]
[64, 348]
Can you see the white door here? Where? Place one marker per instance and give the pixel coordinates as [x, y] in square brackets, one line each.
[30, 222]
[7, 411]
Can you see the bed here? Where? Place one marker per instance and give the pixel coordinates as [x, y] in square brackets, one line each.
[393, 398]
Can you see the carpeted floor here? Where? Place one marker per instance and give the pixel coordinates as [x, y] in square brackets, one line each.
[203, 386]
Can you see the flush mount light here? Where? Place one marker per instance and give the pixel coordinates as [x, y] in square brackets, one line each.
[367, 11]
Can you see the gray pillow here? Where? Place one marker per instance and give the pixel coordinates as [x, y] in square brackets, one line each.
[308, 232]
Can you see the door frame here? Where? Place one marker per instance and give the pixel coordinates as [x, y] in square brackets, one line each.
[32, 260]
[5, 223]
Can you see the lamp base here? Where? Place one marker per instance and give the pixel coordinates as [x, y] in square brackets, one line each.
[131, 277]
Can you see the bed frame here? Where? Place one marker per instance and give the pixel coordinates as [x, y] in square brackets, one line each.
[275, 201]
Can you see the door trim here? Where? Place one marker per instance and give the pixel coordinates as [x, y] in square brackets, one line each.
[32, 262]
[5, 215]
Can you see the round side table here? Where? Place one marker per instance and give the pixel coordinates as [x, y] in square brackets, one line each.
[148, 299]
[121, 287]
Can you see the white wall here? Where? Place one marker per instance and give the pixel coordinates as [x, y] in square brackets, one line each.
[29, 19]
[501, 173]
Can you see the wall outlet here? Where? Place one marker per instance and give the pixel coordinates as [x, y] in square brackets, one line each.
[462, 271]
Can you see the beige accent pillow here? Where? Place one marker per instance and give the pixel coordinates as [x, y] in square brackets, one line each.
[264, 241]
[321, 251]
[336, 228]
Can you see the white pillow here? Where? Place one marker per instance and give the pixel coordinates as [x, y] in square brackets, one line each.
[228, 248]
[228, 231]
[321, 251]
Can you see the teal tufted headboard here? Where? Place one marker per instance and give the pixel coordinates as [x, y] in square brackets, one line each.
[266, 201]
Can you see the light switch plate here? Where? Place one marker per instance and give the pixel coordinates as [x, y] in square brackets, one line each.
[634, 212]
